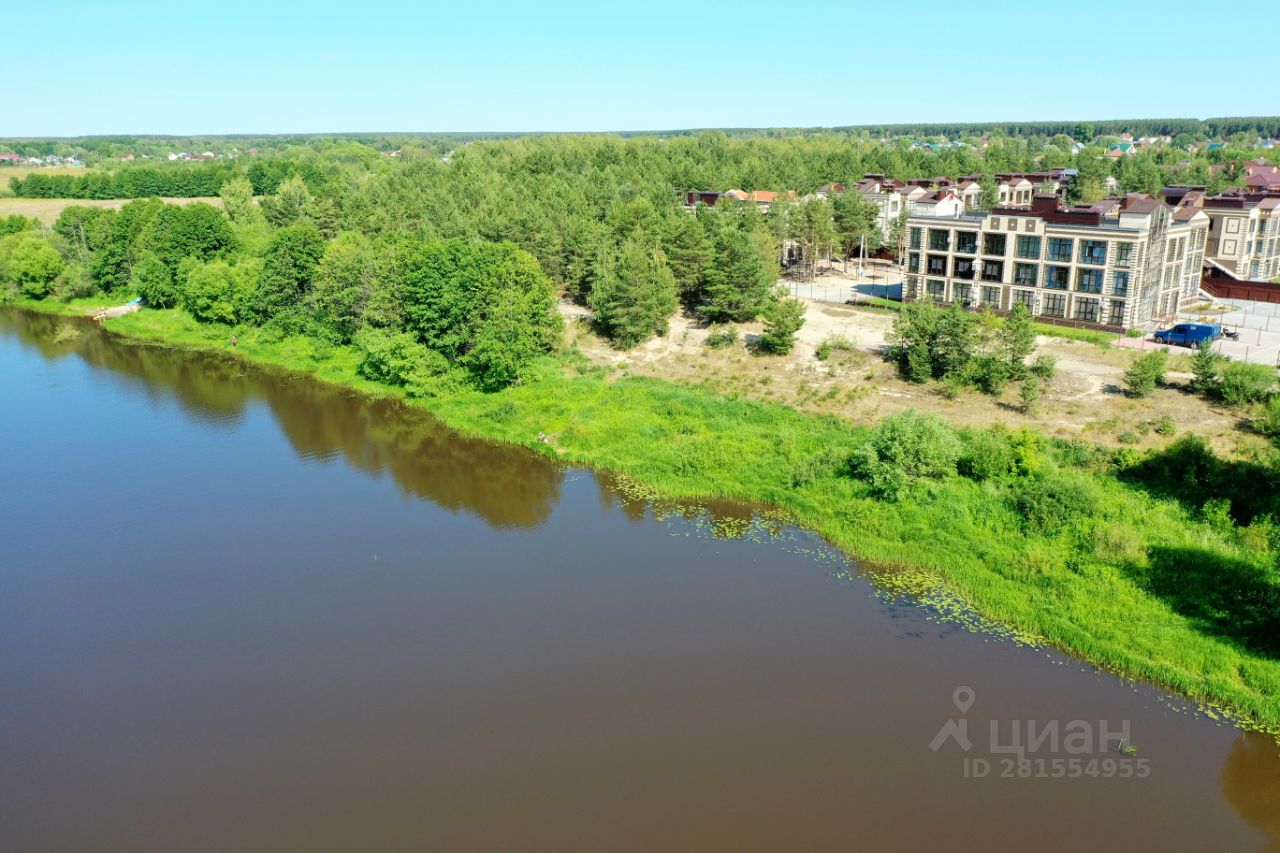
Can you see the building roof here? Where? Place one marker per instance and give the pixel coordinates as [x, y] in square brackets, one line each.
[1263, 179]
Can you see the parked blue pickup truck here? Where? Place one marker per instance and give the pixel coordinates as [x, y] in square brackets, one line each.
[1192, 334]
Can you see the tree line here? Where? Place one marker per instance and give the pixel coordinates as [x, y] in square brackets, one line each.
[600, 216]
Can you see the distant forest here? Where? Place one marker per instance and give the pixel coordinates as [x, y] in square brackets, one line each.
[441, 143]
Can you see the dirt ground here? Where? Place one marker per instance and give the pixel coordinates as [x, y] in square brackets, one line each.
[1084, 399]
[47, 210]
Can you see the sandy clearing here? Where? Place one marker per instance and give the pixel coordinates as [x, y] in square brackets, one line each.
[1084, 399]
[47, 210]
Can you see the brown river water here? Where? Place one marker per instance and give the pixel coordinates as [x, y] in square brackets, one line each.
[241, 610]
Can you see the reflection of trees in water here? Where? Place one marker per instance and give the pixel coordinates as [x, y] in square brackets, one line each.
[53, 337]
[1251, 783]
[503, 485]
[506, 486]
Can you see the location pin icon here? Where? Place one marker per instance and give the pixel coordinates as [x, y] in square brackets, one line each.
[963, 698]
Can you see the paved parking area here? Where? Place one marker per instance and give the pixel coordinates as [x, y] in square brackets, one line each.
[876, 278]
[1257, 322]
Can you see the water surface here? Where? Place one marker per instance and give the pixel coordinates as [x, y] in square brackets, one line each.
[240, 610]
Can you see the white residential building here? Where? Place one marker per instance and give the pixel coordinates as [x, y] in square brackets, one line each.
[1121, 263]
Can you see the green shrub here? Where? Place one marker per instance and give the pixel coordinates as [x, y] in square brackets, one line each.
[951, 387]
[833, 343]
[1244, 384]
[1128, 437]
[1267, 421]
[987, 455]
[904, 449]
[989, 373]
[397, 358]
[783, 317]
[1146, 372]
[1216, 513]
[722, 336]
[827, 463]
[1049, 504]
[1165, 426]
[1044, 365]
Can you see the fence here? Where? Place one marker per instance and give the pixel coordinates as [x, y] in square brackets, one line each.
[845, 293]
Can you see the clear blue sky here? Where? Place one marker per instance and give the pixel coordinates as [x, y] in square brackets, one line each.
[232, 66]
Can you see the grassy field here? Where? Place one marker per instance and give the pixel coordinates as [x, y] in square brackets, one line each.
[47, 210]
[1141, 584]
[9, 172]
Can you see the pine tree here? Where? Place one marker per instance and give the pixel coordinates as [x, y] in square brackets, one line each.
[739, 285]
[783, 317]
[634, 300]
[690, 254]
[1206, 369]
[1017, 339]
[1029, 394]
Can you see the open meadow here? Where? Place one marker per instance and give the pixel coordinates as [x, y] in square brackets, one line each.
[47, 210]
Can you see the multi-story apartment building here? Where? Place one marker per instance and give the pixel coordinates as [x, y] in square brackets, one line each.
[1244, 234]
[889, 197]
[925, 196]
[1120, 263]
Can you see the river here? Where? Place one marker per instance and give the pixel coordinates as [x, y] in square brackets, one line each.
[241, 610]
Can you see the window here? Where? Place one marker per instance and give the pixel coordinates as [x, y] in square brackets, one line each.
[993, 244]
[1024, 274]
[1060, 249]
[1089, 281]
[1116, 315]
[992, 270]
[990, 296]
[935, 288]
[1120, 283]
[1124, 254]
[963, 293]
[966, 242]
[1087, 310]
[1029, 247]
[939, 241]
[937, 265]
[1026, 297]
[1093, 252]
[1056, 277]
[915, 238]
[963, 268]
[1055, 305]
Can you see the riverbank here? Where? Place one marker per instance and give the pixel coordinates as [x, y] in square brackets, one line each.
[1105, 590]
